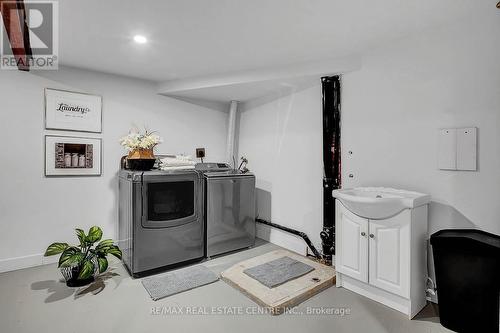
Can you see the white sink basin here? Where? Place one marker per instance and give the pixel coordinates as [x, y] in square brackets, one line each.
[379, 202]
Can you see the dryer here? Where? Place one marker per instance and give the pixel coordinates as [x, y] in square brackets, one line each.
[160, 219]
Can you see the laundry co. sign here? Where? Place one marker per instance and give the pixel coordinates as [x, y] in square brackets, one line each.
[29, 36]
[72, 109]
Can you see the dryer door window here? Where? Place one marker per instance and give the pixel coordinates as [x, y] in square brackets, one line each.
[169, 203]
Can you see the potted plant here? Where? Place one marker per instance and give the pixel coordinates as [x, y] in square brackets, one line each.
[140, 148]
[82, 263]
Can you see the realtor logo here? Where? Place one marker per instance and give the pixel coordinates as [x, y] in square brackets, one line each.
[30, 35]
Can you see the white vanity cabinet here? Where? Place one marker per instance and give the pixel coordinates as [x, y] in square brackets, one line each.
[389, 253]
[383, 259]
[351, 255]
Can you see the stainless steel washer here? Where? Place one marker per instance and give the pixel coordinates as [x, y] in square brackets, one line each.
[229, 208]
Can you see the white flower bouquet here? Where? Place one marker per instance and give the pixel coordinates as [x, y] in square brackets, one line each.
[136, 140]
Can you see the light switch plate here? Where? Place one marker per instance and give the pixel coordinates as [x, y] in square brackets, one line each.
[467, 149]
[447, 151]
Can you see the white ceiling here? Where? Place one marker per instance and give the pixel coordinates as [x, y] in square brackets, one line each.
[202, 37]
[259, 84]
[244, 92]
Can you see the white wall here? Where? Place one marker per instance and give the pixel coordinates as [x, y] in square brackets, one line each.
[283, 141]
[394, 106]
[391, 110]
[34, 210]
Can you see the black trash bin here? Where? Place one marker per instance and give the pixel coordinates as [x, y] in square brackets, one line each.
[467, 266]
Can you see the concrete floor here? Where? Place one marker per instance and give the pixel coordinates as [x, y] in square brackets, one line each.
[36, 300]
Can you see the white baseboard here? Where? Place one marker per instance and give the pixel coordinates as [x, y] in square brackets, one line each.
[284, 239]
[12, 264]
[281, 238]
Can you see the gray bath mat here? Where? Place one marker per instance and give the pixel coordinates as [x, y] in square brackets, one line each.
[178, 281]
[278, 271]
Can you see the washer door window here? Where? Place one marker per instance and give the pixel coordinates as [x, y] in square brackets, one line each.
[169, 203]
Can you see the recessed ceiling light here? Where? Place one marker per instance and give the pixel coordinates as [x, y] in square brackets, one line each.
[140, 39]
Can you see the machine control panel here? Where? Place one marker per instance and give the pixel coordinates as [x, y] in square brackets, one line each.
[213, 167]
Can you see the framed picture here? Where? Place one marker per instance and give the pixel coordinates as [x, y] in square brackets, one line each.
[72, 156]
[71, 111]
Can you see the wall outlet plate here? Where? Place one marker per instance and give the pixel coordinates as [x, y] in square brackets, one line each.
[200, 152]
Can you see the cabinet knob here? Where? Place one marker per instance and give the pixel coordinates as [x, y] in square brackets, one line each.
[363, 234]
[372, 236]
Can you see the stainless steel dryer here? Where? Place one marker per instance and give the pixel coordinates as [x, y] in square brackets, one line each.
[160, 218]
[229, 208]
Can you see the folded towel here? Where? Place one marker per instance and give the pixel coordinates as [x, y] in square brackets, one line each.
[178, 157]
[179, 167]
[177, 163]
[179, 160]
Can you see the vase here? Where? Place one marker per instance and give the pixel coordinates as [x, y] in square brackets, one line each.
[141, 154]
[70, 275]
[141, 159]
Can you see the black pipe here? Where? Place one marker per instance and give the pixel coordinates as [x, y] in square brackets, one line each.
[331, 160]
[294, 232]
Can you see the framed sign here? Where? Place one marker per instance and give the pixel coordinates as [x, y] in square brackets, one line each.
[71, 111]
[72, 156]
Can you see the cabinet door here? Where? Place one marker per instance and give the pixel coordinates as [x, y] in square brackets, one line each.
[351, 257]
[389, 253]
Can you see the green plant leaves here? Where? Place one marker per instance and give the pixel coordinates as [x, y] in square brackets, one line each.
[114, 250]
[55, 248]
[104, 245]
[81, 255]
[103, 264]
[107, 247]
[86, 271]
[94, 235]
[70, 257]
[81, 237]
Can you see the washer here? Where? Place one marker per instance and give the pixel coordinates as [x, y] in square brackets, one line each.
[229, 208]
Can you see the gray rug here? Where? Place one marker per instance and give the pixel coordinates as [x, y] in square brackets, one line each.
[278, 271]
[178, 281]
